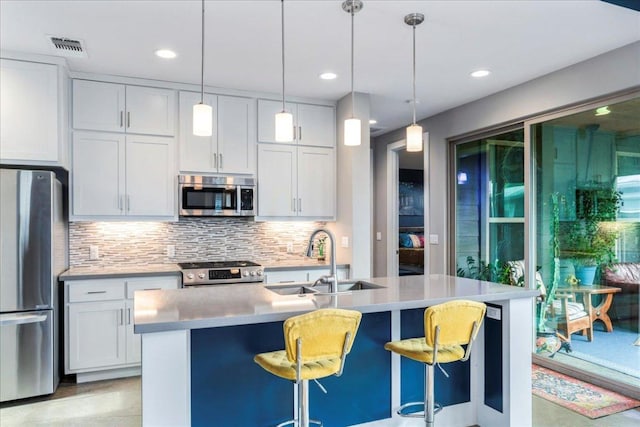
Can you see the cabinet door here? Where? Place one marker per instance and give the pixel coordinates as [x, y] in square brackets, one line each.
[287, 276]
[267, 111]
[150, 110]
[151, 177]
[197, 153]
[236, 135]
[316, 182]
[96, 335]
[133, 341]
[277, 180]
[97, 174]
[28, 111]
[98, 106]
[316, 125]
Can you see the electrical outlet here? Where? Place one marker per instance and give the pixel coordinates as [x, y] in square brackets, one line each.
[290, 247]
[433, 239]
[345, 242]
[171, 251]
[94, 254]
[378, 235]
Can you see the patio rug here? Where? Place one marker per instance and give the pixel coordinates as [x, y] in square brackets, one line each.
[583, 398]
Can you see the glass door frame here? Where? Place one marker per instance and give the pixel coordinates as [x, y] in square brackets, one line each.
[531, 219]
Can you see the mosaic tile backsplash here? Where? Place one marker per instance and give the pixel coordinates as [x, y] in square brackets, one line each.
[195, 239]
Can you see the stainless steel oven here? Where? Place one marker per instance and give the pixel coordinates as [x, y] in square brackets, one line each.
[216, 195]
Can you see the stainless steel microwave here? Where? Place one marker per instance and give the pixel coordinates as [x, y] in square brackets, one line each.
[216, 195]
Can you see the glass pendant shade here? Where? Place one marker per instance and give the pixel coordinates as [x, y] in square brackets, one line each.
[414, 138]
[202, 120]
[352, 132]
[284, 127]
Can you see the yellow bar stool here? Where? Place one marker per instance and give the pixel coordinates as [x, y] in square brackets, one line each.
[447, 327]
[316, 346]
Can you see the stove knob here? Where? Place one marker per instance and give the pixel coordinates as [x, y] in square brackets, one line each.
[259, 272]
[190, 276]
[245, 273]
[201, 276]
[253, 273]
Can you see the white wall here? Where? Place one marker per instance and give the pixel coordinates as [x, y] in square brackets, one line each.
[354, 197]
[614, 71]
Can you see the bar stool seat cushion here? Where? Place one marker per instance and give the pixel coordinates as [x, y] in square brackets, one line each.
[278, 364]
[417, 349]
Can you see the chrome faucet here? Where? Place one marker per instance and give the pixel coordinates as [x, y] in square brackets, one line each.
[332, 278]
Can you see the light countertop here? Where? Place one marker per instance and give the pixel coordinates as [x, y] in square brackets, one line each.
[108, 272]
[115, 271]
[239, 304]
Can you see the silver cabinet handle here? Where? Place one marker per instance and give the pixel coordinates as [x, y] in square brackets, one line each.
[215, 160]
[300, 205]
[120, 203]
[221, 167]
[96, 292]
[121, 118]
[294, 133]
[293, 204]
[128, 316]
[128, 204]
[300, 133]
[128, 119]
[151, 289]
[122, 316]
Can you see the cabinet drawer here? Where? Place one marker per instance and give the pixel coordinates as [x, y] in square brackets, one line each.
[95, 290]
[150, 283]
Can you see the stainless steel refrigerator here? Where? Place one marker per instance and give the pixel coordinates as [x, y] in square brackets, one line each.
[33, 252]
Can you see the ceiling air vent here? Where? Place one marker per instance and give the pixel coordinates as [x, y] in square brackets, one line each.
[68, 47]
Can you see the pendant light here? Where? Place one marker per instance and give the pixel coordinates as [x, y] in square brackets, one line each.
[284, 119]
[414, 132]
[352, 125]
[202, 113]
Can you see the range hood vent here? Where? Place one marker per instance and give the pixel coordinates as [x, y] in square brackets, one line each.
[63, 46]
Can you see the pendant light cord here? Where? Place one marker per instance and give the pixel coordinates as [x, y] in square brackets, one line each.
[352, 94]
[202, 59]
[414, 73]
[282, 26]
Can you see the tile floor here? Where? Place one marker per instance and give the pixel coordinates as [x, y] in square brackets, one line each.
[116, 403]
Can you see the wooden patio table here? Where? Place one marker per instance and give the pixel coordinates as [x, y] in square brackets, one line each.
[598, 312]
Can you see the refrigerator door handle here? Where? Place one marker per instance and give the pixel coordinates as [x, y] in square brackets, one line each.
[21, 319]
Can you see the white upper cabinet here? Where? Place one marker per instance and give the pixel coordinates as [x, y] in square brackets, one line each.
[29, 113]
[313, 124]
[230, 148]
[115, 107]
[122, 176]
[296, 182]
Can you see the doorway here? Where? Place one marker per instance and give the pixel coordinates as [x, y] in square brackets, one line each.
[407, 208]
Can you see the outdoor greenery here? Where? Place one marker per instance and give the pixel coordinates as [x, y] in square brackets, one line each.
[590, 240]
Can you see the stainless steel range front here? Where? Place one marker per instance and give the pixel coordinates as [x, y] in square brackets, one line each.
[220, 273]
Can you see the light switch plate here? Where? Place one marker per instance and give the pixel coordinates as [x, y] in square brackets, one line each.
[345, 241]
[378, 235]
[434, 239]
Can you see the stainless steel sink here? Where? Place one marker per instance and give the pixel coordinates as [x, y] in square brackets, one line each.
[347, 286]
[292, 289]
[301, 289]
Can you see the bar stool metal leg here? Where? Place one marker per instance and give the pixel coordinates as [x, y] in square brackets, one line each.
[429, 396]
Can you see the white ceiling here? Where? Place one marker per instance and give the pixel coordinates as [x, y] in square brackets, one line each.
[517, 40]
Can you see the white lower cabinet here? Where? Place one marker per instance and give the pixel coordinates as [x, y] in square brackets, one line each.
[99, 339]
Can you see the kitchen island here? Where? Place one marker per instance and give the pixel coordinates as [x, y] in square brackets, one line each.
[198, 347]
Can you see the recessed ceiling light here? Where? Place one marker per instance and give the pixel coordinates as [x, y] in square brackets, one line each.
[372, 121]
[165, 53]
[328, 76]
[603, 111]
[480, 73]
